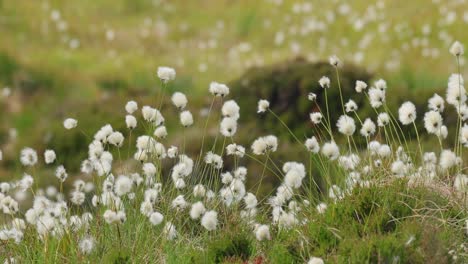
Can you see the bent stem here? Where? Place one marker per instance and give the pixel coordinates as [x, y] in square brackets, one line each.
[206, 125]
[458, 148]
[286, 126]
[328, 111]
[419, 141]
[263, 173]
[163, 87]
[120, 239]
[339, 88]
[311, 177]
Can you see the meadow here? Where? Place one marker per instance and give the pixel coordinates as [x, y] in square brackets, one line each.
[233, 131]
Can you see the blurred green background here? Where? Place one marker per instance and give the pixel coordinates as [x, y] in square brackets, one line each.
[85, 59]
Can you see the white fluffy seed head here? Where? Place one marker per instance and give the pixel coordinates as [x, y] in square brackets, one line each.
[234, 149]
[172, 152]
[130, 121]
[259, 146]
[262, 232]
[218, 89]
[4, 188]
[331, 150]
[293, 179]
[271, 142]
[199, 190]
[464, 135]
[123, 185]
[231, 109]
[131, 107]
[315, 260]
[312, 97]
[349, 162]
[263, 105]
[160, 132]
[321, 208]
[145, 142]
[373, 147]
[70, 123]
[179, 100]
[61, 173]
[316, 117]
[436, 103]
[116, 138]
[179, 203]
[312, 145]
[360, 86]
[447, 159]
[226, 178]
[399, 168]
[197, 210]
[210, 220]
[240, 173]
[28, 157]
[383, 119]
[456, 94]
[461, 184]
[463, 112]
[49, 156]
[324, 82]
[146, 207]
[25, 182]
[186, 118]
[376, 97]
[103, 133]
[79, 185]
[250, 201]
[407, 113]
[149, 113]
[77, 197]
[456, 49]
[335, 61]
[156, 218]
[368, 128]
[166, 74]
[149, 170]
[213, 159]
[384, 151]
[335, 192]
[228, 127]
[86, 245]
[170, 231]
[430, 158]
[346, 125]
[351, 106]
[433, 122]
[381, 84]
[179, 184]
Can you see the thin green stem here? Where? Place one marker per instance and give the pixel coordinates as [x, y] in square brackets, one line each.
[286, 126]
[339, 88]
[263, 174]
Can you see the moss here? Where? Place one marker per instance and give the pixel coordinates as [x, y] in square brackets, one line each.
[378, 249]
[231, 247]
[117, 256]
[374, 225]
[280, 253]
